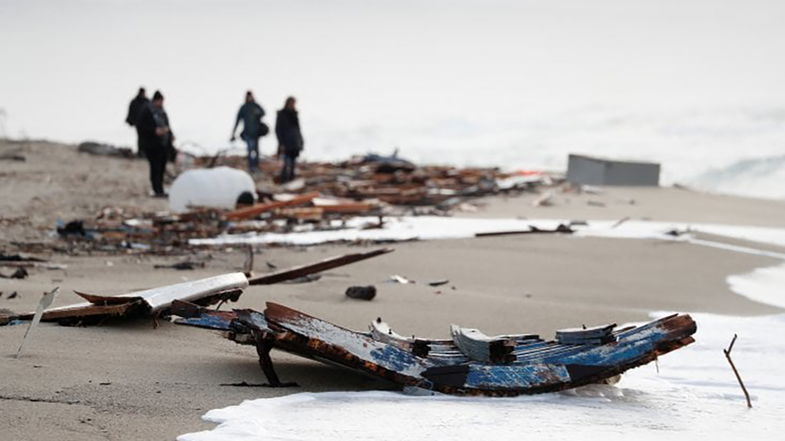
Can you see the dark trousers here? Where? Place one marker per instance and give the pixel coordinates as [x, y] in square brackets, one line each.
[287, 172]
[253, 153]
[140, 146]
[157, 158]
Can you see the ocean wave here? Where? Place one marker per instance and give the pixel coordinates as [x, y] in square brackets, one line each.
[757, 177]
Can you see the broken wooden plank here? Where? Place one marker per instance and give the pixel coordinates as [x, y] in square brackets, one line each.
[161, 298]
[346, 347]
[480, 347]
[346, 207]
[257, 209]
[324, 265]
[195, 315]
[594, 335]
[153, 301]
[85, 310]
[381, 331]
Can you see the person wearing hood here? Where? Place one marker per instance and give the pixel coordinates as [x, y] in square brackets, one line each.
[158, 139]
[135, 108]
[290, 138]
[251, 114]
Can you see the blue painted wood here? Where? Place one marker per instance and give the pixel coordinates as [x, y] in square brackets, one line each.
[206, 321]
[500, 377]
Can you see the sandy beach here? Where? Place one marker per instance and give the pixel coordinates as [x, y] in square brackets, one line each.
[127, 380]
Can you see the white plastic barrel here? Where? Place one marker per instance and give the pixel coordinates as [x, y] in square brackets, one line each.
[209, 187]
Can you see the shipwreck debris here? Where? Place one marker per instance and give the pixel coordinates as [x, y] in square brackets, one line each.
[257, 209]
[46, 300]
[158, 302]
[151, 302]
[326, 198]
[469, 364]
[324, 265]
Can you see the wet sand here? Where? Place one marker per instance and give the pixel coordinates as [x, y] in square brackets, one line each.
[126, 380]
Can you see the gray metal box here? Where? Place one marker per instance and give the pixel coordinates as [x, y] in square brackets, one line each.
[587, 170]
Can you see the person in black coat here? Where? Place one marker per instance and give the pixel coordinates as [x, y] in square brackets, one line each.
[135, 108]
[157, 139]
[290, 138]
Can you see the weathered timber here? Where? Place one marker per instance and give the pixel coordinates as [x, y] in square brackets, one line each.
[480, 347]
[324, 265]
[535, 366]
[594, 335]
[257, 209]
[152, 302]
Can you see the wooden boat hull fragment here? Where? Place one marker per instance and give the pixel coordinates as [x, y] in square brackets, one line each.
[534, 366]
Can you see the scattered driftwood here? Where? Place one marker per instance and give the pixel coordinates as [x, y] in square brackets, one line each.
[531, 365]
[735, 371]
[157, 302]
[257, 209]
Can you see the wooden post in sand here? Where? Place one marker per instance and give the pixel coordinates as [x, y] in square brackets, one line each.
[738, 377]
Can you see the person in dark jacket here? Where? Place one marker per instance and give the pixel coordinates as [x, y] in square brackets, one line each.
[290, 139]
[157, 138]
[251, 115]
[135, 108]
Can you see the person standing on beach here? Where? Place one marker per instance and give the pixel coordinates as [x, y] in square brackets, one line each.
[157, 139]
[251, 114]
[290, 138]
[135, 108]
